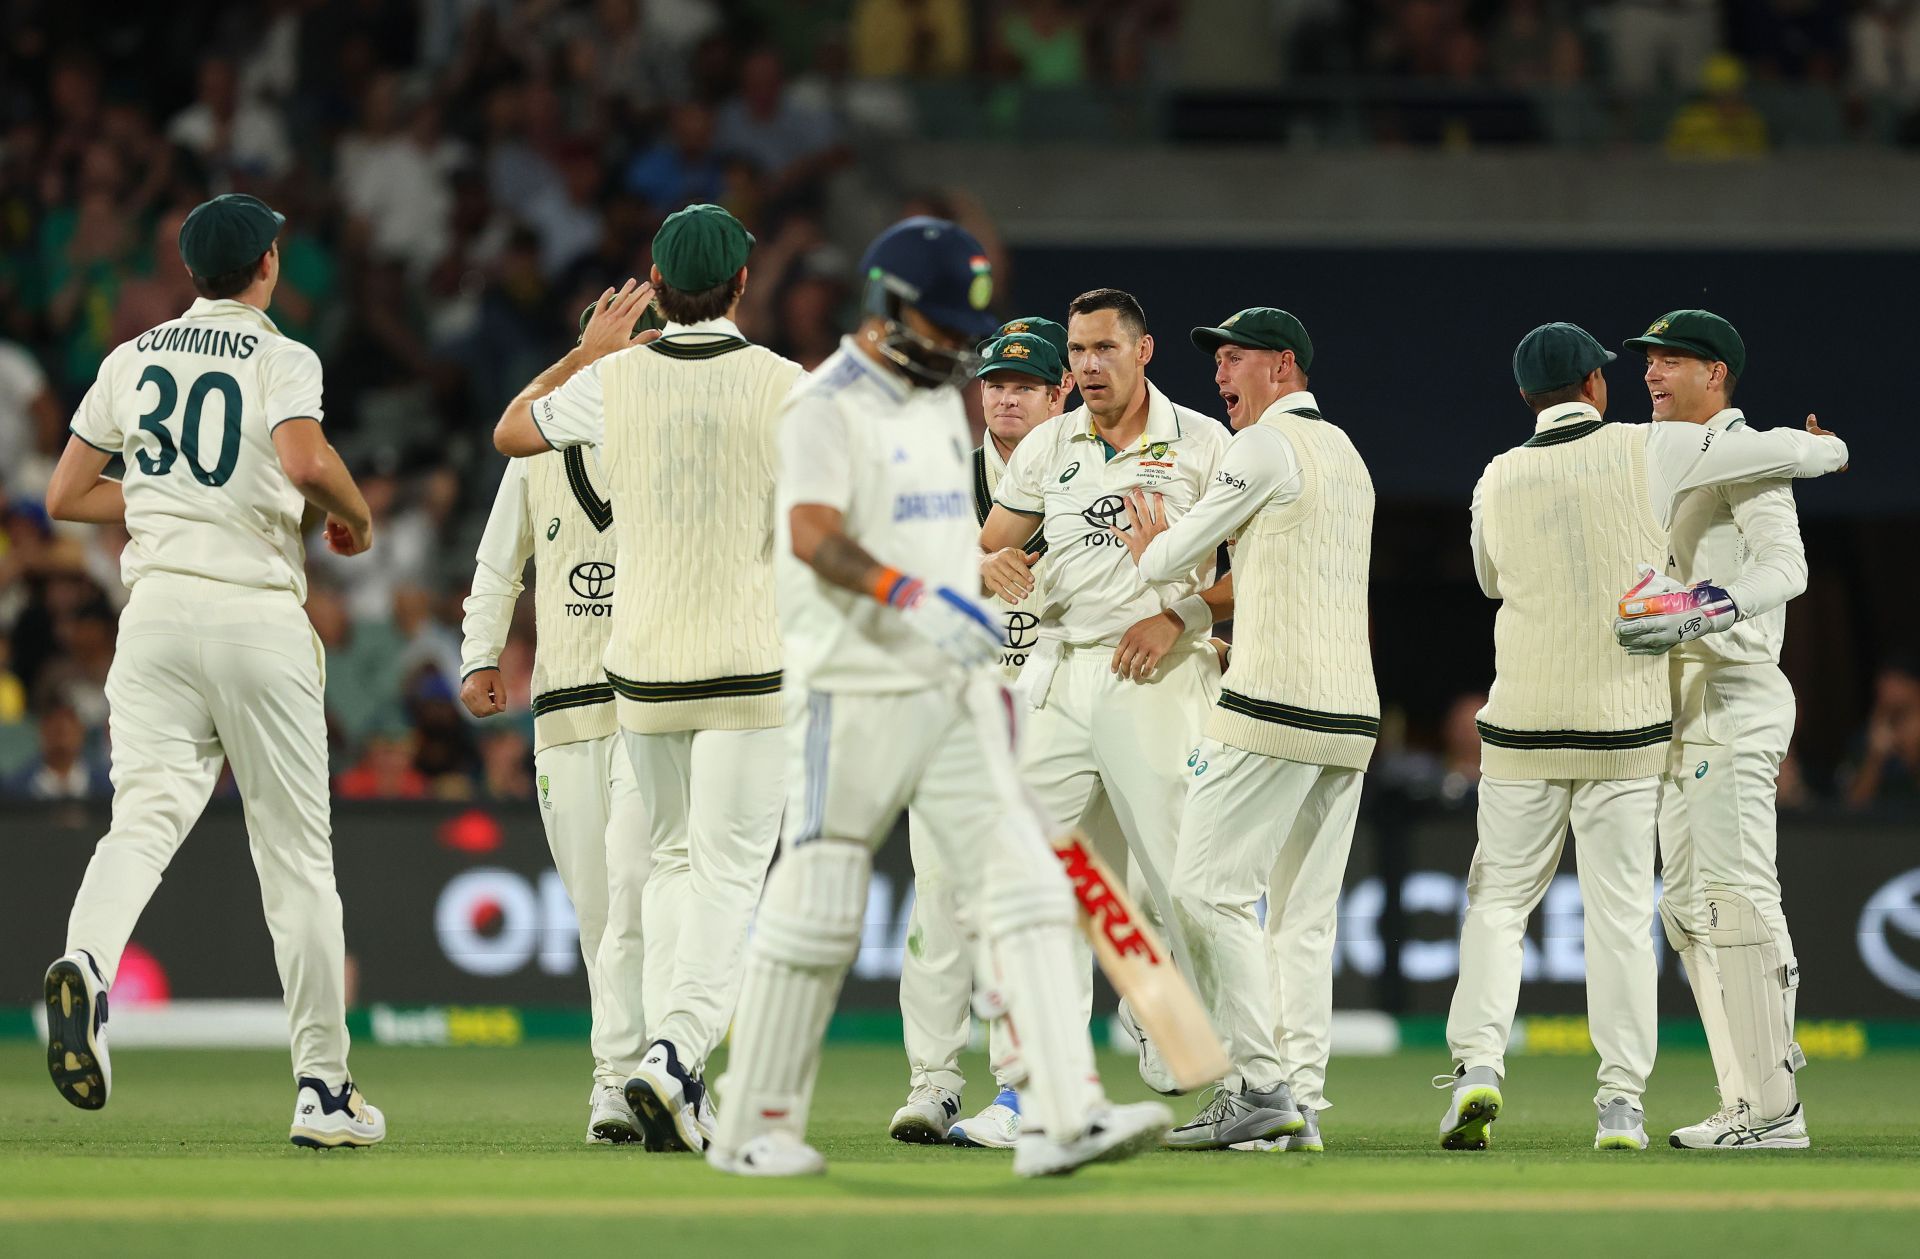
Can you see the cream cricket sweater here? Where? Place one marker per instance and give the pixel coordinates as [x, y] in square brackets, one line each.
[690, 436]
[1563, 519]
[1300, 685]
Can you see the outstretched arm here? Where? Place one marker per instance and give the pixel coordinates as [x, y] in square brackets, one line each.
[541, 417]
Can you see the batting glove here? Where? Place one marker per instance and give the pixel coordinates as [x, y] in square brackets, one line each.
[959, 626]
[1659, 614]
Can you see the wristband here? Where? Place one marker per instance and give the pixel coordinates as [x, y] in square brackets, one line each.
[894, 588]
[1194, 614]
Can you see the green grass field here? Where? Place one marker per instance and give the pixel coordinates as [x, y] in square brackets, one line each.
[485, 1158]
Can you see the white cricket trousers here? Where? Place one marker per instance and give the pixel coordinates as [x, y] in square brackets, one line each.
[590, 807]
[1262, 826]
[207, 671]
[1523, 825]
[1718, 822]
[712, 802]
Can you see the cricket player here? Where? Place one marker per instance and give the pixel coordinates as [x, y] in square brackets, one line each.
[218, 419]
[1023, 383]
[884, 639]
[686, 424]
[1574, 729]
[1124, 672]
[554, 508]
[1275, 782]
[1735, 552]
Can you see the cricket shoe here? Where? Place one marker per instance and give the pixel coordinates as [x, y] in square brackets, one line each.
[1153, 1069]
[1116, 1132]
[610, 1120]
[1734, 1128]
[926, 1117]
[326, 1120]
[769, 1154]
[1305, 1141]
[667, 1100]
[77, 1031]
[1623, 1126]
[995, 1128]
[1229, 1116]
[1468, 1123]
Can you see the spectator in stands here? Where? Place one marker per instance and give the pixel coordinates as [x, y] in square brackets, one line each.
[29, 418]
[1885, 40]
[791, 146]
[1042, 43]
[506, 765]
[1723, 124]
[682, 167]
[363, 670]
[385, 770]
[235, 139]
[1888, 765]
[1534, 45]
[1658, 45]
[61, 770]
[918, 39]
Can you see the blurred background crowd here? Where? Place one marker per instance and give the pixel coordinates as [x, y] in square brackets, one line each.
[460, 177]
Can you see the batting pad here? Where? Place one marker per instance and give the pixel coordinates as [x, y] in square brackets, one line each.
[806, 935]
[1755, 983]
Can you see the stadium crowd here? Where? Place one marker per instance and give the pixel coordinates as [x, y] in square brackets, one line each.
[461, 176]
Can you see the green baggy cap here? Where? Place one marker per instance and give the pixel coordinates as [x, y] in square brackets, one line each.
[1697, 332]
[1022, 352]
[1556, 355]
[1259, 328]
[227, 233]
[1052, 333]
[700, 246]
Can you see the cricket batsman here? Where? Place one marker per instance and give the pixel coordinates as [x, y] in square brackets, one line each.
[883, 639]
[1124, 672]
[217, 416]
[1023, 382]
[1734, 559]
[1275, 782]
[685, 424]
[1574, 729]
[553, 508]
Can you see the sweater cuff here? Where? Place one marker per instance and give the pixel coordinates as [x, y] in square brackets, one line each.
[1194, 614]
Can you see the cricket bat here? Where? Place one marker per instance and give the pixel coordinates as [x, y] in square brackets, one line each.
[1138, 965]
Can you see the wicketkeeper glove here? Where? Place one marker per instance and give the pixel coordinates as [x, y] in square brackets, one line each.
[959, 626]
[1659, 613]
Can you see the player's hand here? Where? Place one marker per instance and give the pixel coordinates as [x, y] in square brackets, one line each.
[484, 693]
[961, 627]
[347, 537]
[1658, 614]
[1146, 520]
[1145, 645]
[1008, 574]
[611, 327]
[1813, 426]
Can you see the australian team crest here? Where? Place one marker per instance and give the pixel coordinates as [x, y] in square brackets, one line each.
[1659, 326]
[1016, 350]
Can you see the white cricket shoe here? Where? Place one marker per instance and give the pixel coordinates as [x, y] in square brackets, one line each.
[1623, 1126]
[769, 1154]
[1468, 1123]
[926, 1117]
[669, 1102]
[610, 1120]
[1734, 1128]
[1305, 1141]
[995, 1128]
[1153, 1069]
[77, 1031]
[325, 1120]
[1115, 1133]
[1229, 1117]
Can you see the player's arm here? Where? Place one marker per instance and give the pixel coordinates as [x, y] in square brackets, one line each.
[1681, 457]
[1006, 566]
[1259, 469]
[1483, 566]
[505, 547]
[1776, 559]
[561, 406]
[316, 470]
[79, 491]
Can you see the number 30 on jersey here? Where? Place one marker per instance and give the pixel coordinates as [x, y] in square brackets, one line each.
[156, 420]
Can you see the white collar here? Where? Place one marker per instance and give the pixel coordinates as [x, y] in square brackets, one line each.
[1565, 413]
[227, 308]
[721, 327]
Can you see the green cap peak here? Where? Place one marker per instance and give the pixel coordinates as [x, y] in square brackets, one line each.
[1259, 328]
[699, 247]
[1697, 332]
[1556, 355]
